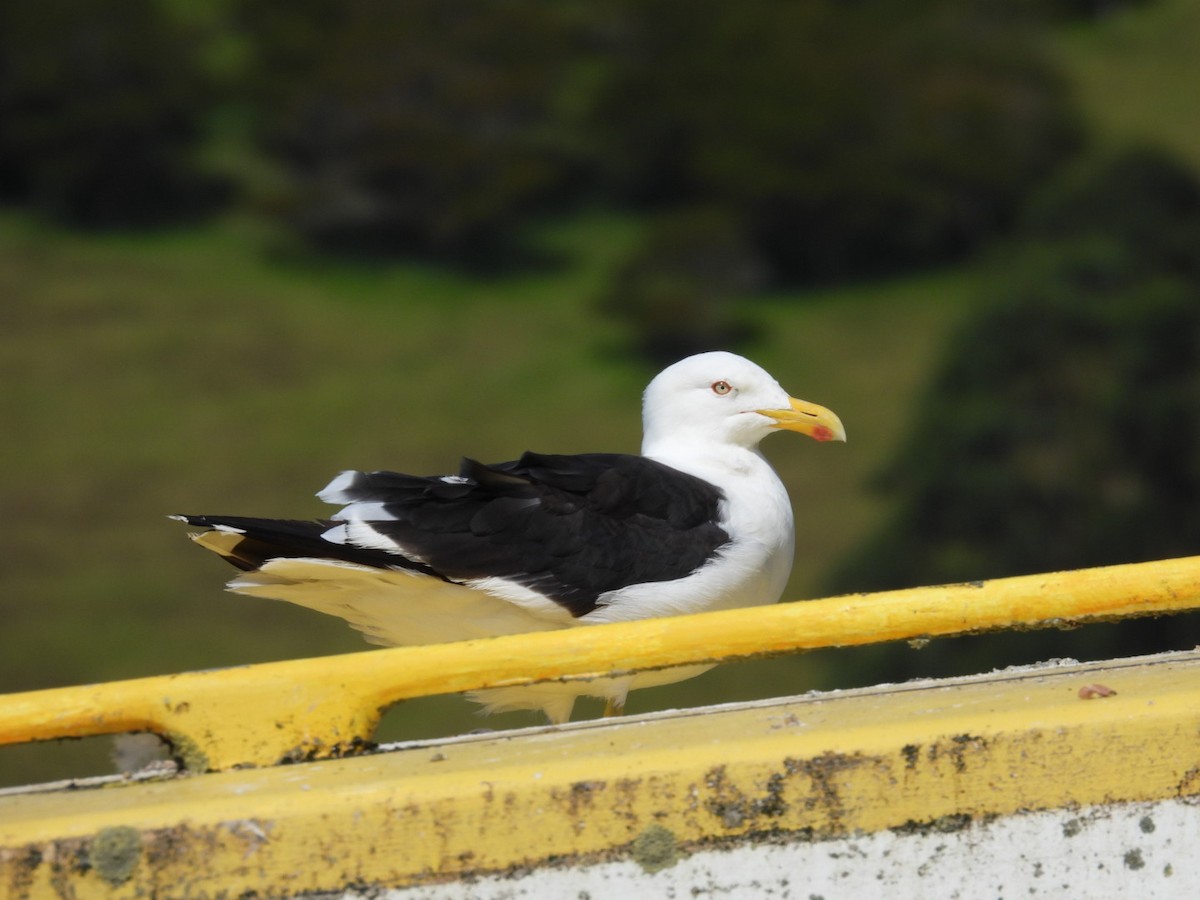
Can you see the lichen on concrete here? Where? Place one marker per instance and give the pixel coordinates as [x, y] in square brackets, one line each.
[114, 852]
[188, 752]
[656, 849]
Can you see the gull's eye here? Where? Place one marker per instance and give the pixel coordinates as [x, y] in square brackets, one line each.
[721, 388]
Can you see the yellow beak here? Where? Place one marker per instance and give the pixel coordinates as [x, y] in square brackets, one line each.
[817, 422]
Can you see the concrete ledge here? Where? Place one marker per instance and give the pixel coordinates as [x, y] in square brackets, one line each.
[946, 768]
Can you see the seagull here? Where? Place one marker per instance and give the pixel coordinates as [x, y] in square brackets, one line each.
[699, 521]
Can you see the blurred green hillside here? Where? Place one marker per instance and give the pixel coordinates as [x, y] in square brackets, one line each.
[210, 368]
[1132, 69]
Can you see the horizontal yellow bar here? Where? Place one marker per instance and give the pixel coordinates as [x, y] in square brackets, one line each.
[305, 709]
[933, 756]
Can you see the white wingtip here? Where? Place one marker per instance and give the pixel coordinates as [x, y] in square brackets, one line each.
[336, 535]
[364, 511]
[335, 491]
[361, 534]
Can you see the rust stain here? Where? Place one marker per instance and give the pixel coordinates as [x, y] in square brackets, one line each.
[957, 749]
[735, 809]
[582, 794]
[947, 824]
[22, 864]
[1189, 785]
[316, 749]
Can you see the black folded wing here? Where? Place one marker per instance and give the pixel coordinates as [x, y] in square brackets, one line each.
[570, 528]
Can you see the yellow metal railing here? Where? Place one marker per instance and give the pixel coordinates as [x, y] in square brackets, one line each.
[306, 709]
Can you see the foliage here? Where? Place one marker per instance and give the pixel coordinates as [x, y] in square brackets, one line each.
[1141, 199]
[1077, 9]
[102, 108]
[1062, 431]
[425, 126]
[679, 292]
[846, 140]
[1063, 428]
[851, 139]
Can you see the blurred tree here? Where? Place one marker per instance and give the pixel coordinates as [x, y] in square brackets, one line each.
[845, 139]
[680, 291]
[426, 126]
[1063, 428]
[853, 139]
[102, 107]
[1077, 9]
[1141, 198]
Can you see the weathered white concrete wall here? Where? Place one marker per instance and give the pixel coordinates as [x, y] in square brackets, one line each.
[1140, 850]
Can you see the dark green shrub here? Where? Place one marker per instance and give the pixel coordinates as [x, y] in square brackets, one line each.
[1142, 198]
[1062, 431]
[1063, 427]
[101, 113]
[680, 292]
[851, 138]
[425, 126]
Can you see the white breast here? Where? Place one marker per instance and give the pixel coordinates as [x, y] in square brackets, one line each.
[751, 570]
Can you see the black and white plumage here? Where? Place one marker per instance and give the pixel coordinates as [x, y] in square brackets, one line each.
[698, 522]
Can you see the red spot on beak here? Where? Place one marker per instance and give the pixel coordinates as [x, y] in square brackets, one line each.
[822, 433]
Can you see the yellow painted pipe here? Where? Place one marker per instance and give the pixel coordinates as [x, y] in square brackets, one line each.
[302, 709]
